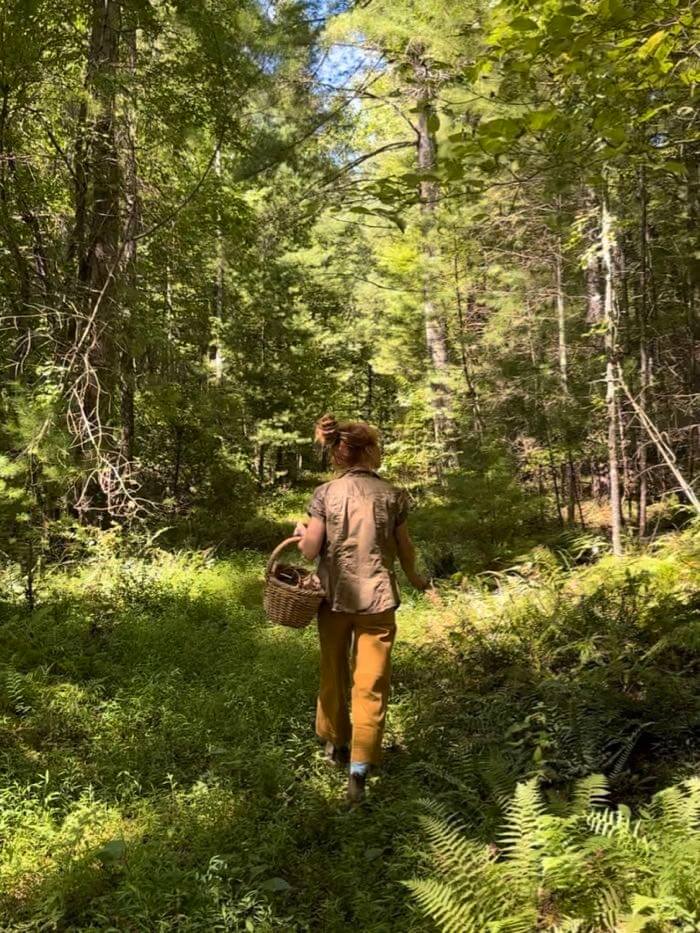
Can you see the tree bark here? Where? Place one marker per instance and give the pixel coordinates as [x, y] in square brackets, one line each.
[610, 318]
[561, 321]
[644, 356]
[216, 356]
[102, 258]
[435, 327]
[464, 351]
[128, 131]
[369, 406]
[568, 470]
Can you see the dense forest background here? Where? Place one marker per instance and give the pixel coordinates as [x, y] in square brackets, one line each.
[474, 225]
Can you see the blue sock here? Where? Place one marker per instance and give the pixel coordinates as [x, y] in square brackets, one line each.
[359, 768]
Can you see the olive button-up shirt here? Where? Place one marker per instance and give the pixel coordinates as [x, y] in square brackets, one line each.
[361, 512]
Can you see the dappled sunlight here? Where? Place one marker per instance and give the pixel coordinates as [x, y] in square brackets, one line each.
[187, 720]
[157, 733]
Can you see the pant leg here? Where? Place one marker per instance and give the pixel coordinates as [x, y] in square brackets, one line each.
[374, 638]
[332, 716]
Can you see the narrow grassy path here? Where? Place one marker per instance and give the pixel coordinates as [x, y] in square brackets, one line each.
[160, 770]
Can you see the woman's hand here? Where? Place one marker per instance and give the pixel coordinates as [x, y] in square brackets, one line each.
[300, 530]
[418, 581]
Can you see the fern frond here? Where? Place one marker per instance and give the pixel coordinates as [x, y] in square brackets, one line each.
[609, 909]
[466, 863]
[523, 922]
[590, 793]
[520, 838]
[679, 806]
[617, 761]
[440, 901]
[17, 690]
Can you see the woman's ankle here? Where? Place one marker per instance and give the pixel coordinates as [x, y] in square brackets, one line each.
[360, 768]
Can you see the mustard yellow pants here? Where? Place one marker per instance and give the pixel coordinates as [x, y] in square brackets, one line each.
[369, 638]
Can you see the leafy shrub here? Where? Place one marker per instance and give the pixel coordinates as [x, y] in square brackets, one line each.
[554, 674]
[480, 516]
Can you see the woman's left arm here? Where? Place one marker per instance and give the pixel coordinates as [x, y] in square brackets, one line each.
[312, 536]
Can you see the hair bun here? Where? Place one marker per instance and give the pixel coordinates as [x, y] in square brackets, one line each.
[327, 430]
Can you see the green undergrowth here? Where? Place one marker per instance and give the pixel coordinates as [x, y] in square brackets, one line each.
[160, 770]
[553, 675]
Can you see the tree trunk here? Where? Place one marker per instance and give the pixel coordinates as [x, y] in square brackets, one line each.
[543, 414]
[177, 461]
[216, 357]
[609, 316]
[369, 405]
[561, 321]
[435, 328]
[644, 356]
[131, 225]
[464, 350]
[692, 166]
[94, 392]
[568, 471]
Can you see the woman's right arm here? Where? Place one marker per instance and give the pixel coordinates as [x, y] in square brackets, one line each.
[311, 540]
[407, 557]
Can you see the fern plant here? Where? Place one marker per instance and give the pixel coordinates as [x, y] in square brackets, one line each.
[590, 868]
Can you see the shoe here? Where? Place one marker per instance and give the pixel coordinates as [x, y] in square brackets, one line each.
[336, 755]
[356, 788]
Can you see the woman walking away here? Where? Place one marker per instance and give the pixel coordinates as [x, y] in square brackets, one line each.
[357, 528]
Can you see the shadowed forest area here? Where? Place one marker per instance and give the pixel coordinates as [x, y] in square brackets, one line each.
[474, 226]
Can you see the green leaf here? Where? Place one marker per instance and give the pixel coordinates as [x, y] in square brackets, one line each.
[373, 853]
[678, 168]
[506, 127]
[495, 145]
[433, 123]
[454, 170]
[559, 25]
[523, 24]
[652, 43]
[615, 135]
[540, 119]
[112, 851]
[651, 112]
[276, 885]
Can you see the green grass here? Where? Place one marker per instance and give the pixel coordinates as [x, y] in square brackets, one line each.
[160, 770]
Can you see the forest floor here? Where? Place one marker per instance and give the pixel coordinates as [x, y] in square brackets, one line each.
[158, 733]
[160, 769]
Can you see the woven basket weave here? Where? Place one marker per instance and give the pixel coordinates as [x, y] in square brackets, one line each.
[292, 594]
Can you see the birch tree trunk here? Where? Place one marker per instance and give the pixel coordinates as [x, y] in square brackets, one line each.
[609, 317]
[644, 356]
[568, 470]
[216, 358]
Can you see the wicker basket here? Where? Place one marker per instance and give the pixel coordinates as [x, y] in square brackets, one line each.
[292, 594]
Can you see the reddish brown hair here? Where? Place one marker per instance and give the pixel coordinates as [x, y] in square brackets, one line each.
[351, 443]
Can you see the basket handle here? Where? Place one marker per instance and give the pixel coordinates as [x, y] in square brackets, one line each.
[277, 551]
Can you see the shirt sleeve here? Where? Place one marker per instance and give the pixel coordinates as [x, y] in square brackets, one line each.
[402, 506]
[317, 506]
